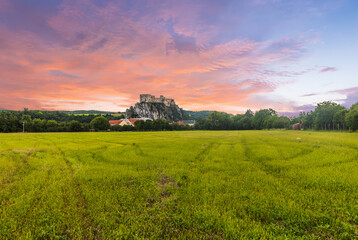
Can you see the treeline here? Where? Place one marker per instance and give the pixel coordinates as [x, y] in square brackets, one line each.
[262, 119]
[159, 125]
[59, 116]
[330, 116]
[11, 123]
[326, 116]
[154, 125]
[48, 121]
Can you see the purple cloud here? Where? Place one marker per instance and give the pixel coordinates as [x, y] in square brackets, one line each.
[59, 73]
[351, 96]
[304, 108]
[309, 95]
[328, 69]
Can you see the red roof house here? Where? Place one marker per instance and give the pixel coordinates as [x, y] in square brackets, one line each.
[115, 122]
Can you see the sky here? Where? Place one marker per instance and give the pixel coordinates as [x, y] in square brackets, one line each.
[225, 55]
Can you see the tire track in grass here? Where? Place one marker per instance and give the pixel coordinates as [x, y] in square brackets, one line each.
[204, 152]
[138, 150]
[10, 179]
[24, 162]
[276, 173]
[35, 201]
[261, 162]
[247, 150]
[303, 151]
[91, 230]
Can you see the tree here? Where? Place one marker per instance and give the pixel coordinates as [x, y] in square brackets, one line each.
[309, 120]
[219, 121]
[116, 128]
[75, 126]
[26, 119]
[38, 125]
[52, 126]
[323, 115]
[352, 118]
[139, 125]
[160, 124]
[261, 116]
[246, 121]
[100, 123]
[339, 118]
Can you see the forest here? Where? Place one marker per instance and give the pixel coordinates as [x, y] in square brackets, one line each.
[326, 116]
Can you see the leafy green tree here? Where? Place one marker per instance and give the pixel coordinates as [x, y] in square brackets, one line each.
[339, 118]
[38, 125]
[52, 126]
[116, 128]
[127, 128]
[309, 120]
[160, 124]
[85, 127]
[202, 124]
[148, 125]
[323, 115]
[219, 121]
[277, 122]
[63, 127]
[139, 125]
[352, 118]
[75, 126]
[246, 121]
[261, 116]
[100, 123]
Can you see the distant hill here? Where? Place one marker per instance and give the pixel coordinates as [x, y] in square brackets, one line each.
[87, 112]
[3, 110]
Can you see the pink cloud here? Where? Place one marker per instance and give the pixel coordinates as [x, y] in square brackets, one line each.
[347, 90]
[105, 51]
[351, 96]
[328, 69]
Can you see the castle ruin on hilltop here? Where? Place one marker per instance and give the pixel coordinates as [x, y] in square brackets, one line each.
[147, 98]
[155, 108]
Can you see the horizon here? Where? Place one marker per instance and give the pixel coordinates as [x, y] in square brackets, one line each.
[225, 56]
[286, 114]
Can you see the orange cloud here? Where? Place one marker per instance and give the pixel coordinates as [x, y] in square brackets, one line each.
[105, 57]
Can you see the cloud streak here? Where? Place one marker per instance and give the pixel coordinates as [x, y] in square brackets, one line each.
[59, 73]
[328, 69]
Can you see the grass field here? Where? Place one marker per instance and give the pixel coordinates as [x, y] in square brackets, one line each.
[185, 185]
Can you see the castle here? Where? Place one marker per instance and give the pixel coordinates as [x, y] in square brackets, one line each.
[147, 98]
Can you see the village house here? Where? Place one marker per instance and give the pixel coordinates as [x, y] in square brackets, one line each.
[186, 122]
[129, 122]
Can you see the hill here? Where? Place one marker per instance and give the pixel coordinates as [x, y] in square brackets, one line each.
[155, 108]
[88, 112]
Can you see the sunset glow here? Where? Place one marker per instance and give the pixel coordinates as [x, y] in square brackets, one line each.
[208, 55]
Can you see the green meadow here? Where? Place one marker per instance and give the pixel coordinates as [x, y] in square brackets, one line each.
[179, 185]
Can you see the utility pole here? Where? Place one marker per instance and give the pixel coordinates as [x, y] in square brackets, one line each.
[23, 126]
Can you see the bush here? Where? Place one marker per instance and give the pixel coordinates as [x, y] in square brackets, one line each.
[352, 118]
[75, 126]
[100, 123]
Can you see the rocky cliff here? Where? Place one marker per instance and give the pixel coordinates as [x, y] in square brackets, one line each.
[155, 111]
